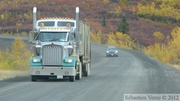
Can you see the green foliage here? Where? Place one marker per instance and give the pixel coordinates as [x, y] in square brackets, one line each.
[104, 21]
[17, 59]
[7, 15]
[123, 26]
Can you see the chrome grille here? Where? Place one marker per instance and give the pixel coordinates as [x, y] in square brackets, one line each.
[52, 55]
[112, 52]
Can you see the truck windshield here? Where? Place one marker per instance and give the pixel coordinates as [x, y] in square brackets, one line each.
[47, 23]
[53, 36]
[64, 24]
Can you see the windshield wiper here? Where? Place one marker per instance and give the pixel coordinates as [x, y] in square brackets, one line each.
[54, 40]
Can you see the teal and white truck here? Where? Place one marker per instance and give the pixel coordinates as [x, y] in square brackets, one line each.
[61, 48]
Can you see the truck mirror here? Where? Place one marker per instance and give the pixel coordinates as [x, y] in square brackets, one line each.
[70, 42]
[31, 37]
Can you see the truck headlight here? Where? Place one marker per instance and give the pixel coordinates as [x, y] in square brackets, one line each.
[68, 60]
[36, 60]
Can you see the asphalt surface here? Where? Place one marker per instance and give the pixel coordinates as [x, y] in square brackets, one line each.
[111, 77]
[6, 41]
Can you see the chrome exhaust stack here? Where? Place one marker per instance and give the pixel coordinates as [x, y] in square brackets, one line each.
[77, 35]
[32, 33]
[34, 18]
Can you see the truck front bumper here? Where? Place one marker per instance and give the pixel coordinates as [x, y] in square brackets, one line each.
[58, 72]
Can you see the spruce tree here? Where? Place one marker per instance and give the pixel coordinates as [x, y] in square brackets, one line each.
[123, 26]
[104, 21]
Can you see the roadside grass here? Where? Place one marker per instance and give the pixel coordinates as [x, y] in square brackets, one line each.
[14, 60]
[7, 74]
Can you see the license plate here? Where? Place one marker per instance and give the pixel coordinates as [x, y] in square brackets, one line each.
[59, 77]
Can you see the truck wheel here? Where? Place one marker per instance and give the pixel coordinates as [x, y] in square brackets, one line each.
[33, 78]
[87, 72]
[72, 78]
[79, 75]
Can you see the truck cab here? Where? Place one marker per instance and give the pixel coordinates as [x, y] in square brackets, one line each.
[61, 48]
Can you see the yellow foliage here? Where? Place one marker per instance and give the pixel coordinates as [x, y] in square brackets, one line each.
[175, 33]
[2, 16]
[106, 1]
[17, 59]
[18, 23]
[19, 48]
[169, 53]
[24, 33]
[159, 52]
[158, 36]
[117, 39]
[166, 9]
[174, 46]
[111, 40]
[96, 37]
[124, 40]
[117, 10]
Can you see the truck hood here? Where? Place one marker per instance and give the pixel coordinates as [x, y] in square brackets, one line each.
[55, 43]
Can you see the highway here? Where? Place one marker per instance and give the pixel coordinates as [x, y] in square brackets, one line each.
[111, 77]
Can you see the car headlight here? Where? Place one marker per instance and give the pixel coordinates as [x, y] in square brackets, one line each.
[68, 60]
[107, 51]
[36, 60]
[116, 51]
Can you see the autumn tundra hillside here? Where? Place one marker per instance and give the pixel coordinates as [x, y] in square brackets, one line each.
[151, 26]
[144, 17]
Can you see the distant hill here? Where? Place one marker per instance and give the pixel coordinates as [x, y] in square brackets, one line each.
[16, 16]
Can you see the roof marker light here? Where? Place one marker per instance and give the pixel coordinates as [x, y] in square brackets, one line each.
[42, 24]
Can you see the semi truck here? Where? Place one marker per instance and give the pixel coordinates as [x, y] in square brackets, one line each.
[61, 48]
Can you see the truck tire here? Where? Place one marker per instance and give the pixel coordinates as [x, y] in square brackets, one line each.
[79, 75]
[33, 78]
[72, 78]
[87, 72]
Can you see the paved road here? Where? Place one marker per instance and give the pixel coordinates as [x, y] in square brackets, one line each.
[111, 77]
[6, 41]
